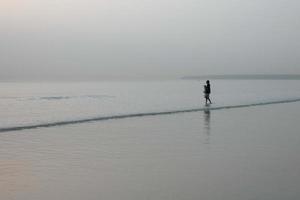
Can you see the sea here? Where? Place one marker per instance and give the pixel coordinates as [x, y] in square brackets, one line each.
[150, 140]
[25, 105]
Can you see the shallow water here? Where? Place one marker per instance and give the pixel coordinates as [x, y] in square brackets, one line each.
[43, 104]
[246, 153]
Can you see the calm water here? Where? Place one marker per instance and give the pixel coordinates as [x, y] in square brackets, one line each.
[231, 154]
[25, 104]
[225, 154]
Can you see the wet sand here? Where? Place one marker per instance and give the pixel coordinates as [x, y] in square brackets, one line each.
[231, 154]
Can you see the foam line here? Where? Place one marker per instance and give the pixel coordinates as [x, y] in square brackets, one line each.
[61, 123]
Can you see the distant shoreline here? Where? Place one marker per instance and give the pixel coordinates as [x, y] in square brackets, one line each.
[247, 77]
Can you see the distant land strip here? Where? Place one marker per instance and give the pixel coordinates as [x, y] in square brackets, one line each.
[247, 77]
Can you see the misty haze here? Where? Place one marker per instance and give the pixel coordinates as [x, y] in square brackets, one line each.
[42, 39]
[149, 100]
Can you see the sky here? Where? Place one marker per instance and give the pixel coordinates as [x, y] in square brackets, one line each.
[94, 39]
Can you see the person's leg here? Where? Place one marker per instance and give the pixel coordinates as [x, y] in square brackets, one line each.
[208, 98]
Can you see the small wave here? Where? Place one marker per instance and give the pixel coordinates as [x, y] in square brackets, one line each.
[61, 123]
[53, 98]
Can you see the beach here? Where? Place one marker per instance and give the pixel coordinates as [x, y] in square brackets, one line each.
[229, 154]
[149, 100]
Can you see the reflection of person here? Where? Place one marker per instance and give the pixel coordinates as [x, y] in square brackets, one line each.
[207, 92]
[207, 124]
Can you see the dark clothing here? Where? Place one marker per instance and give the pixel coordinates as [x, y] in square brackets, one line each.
[208, 88]
[207, 92]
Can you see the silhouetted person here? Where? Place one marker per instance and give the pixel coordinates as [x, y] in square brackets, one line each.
[208, 86]
[207, 92]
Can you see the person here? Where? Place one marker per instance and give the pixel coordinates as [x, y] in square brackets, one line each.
[208, 86]
[207, 92]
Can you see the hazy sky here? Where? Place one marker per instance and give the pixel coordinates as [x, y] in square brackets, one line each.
[147, 38]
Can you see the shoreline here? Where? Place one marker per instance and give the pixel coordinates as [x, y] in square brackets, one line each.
[134, 115]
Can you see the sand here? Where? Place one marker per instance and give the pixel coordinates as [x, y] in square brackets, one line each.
[244, 153]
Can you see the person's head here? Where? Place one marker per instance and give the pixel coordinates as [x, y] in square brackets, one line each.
[207, 82]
